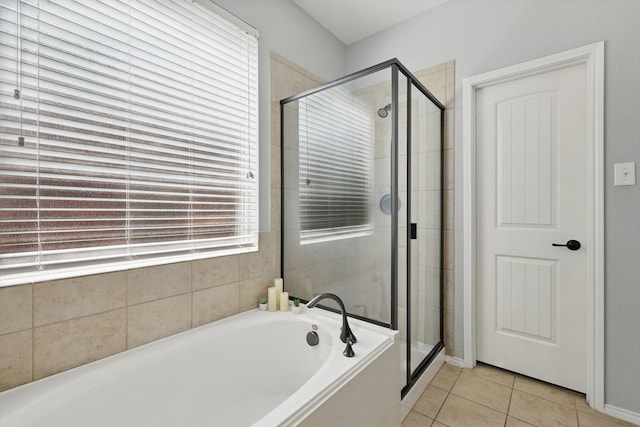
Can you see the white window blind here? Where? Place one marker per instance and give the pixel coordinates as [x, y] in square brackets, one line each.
[335, 158]
[128, 134]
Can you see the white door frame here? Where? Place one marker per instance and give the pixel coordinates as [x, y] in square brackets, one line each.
[593, 58]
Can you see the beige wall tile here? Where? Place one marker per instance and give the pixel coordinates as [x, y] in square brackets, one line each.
[436, 83]
[152, 283]
[72, 343]
[16, 359]
[448, 212]
[214, 304]
[276, 214]
[279, 255]
[448, 249]
[449, 340]
[311, 82]
[261, 263]
[275, 166]
[289, 82]
[250, 291]
[430, 70]
[81, 296]
[284, 61]
[16, 308]
[212, 272]
[275, 124]
[272, 80]
[158, 319]
[449, 126]
[450, 88]
[448, 170]
[448, 290]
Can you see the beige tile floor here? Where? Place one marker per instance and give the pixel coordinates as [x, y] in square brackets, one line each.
[489, 397]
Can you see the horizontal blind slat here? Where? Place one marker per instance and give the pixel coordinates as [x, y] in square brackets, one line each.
[335, 158]
[140, 128]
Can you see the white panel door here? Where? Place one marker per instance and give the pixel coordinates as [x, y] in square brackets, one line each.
[531, 166]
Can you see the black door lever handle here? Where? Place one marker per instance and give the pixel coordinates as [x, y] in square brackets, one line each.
[572, 245]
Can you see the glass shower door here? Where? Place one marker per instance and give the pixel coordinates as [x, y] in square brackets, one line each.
[425, 267]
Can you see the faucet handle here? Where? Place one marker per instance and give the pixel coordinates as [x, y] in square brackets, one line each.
[347, 335]
[348, 351]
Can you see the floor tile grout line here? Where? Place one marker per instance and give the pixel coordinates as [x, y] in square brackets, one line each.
[575, 408]
[440, 408]
[470, 371]
[473, 401]
[441, 405]
[546, 399]
[481, 404]
[506, 419]
[446, 397]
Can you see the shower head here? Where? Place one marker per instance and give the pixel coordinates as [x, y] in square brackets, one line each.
[384, 112]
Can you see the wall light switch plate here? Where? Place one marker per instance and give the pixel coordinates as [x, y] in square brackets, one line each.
[625, 174]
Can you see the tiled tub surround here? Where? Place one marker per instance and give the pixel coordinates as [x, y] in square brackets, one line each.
[49, 327]
[185, 379]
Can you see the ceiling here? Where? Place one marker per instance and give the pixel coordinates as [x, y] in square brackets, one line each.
[353, 20]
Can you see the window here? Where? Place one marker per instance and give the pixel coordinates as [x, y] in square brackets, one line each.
[128, 136]
[335, 162]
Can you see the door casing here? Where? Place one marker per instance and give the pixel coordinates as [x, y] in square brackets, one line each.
[593, 58]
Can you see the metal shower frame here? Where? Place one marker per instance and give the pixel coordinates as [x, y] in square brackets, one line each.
[396, 68]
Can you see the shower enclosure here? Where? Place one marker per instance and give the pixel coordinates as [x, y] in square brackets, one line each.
[362, 203]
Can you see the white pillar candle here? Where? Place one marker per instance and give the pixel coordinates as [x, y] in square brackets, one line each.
[278, 285]
[284, 301]
[272, 299]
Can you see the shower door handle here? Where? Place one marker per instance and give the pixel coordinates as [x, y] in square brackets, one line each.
[414, 231]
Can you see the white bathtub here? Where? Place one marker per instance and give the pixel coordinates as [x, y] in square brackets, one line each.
[252, 369]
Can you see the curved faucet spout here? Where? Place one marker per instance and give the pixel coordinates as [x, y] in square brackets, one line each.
[346, 334]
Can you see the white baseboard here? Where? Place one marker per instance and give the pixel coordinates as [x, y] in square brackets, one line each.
[455, 361]
[623, 414]
[418, 388]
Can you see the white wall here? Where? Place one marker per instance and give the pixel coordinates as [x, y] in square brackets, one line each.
[288, 30]
[489, 34]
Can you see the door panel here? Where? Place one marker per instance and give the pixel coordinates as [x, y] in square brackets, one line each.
[524, 141]
[525, 295]
[531, 164]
